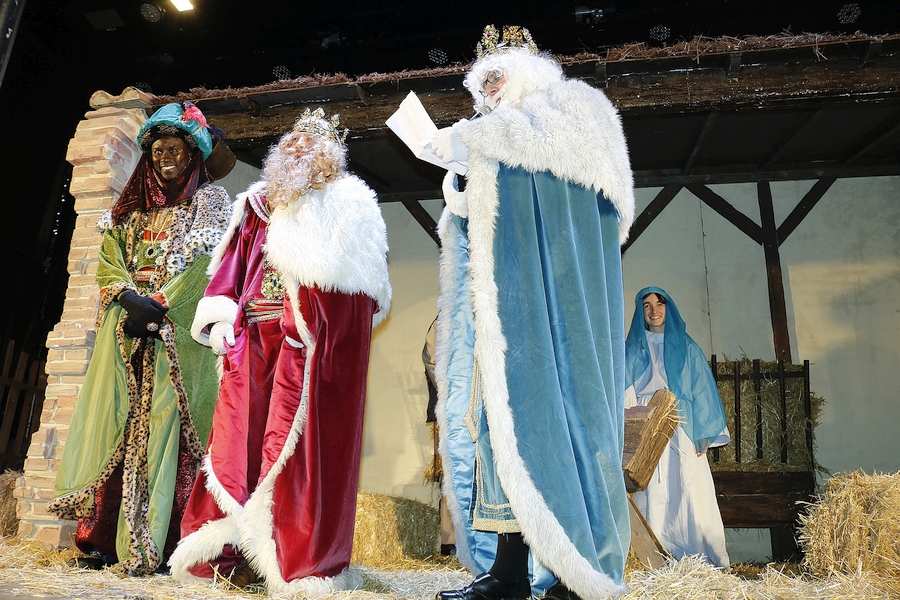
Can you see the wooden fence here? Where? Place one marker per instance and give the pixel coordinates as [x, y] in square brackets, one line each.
[767, 471]
[22, 385]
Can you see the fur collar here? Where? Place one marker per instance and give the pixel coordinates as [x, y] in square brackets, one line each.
[237, 218]
[334, 240]
[571, 130]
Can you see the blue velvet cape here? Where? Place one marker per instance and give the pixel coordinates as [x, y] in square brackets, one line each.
[543, 316]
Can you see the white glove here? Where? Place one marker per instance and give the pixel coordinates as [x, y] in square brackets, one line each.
[448, 145]
[220, 334]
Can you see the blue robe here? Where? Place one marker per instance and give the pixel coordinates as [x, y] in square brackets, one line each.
[551, 383]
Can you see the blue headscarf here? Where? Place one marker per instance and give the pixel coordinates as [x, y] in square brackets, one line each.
[687, 372]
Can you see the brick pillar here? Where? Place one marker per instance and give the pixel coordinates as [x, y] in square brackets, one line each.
[104, 154]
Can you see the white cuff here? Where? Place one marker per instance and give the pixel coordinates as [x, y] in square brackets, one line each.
[212, 309]
[456, 201]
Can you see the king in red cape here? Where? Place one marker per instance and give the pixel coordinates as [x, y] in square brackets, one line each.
[297, 285]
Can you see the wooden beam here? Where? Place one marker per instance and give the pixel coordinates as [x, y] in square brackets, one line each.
[731, 214]
[423, 218]
[744, 173]
[656, 206]
[777, 304]
[872, 138]
[700, 141]
[803, 207]
[799, 131]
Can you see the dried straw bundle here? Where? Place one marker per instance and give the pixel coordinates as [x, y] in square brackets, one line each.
[28, 568]
[390, 531]
[854, 527]
[648, 430]
[769, 397]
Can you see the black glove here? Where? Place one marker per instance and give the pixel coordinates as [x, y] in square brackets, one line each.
[142, 310]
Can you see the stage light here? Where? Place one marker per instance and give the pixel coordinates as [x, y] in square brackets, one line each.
[183, 5]
[437, 56]
[152, 13]
[281, 73]
[660, 33]
[587, 14]
[849, 13]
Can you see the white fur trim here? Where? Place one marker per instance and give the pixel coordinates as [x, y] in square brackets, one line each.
[202, 546]
[225, 500]
[237, 217]
[571, 130]
[456, 200]
[314, 587]
[212, 309]
[333, 239]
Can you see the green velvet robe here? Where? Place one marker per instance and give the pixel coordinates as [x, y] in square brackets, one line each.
[163, 423]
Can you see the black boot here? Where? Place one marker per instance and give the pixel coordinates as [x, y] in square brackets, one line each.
[487, 587]
[558, 591]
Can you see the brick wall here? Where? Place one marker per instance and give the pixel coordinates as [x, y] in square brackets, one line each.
[103, 153]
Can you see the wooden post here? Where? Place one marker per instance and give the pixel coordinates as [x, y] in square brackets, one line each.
[777, 306]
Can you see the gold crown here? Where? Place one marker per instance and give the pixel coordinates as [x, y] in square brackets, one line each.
[514, 36]
[315, 122]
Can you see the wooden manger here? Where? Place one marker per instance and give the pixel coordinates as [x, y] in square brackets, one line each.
[768, 470]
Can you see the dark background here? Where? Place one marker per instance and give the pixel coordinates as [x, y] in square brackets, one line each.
[64, 50]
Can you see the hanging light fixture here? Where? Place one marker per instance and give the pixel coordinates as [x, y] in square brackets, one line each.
[152, 13]
[182, 5]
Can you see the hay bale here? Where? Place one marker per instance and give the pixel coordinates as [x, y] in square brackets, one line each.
[9, 521]
[768, 399]
[391, 531]
[854, 526]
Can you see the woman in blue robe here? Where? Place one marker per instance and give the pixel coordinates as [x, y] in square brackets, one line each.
[679, 503]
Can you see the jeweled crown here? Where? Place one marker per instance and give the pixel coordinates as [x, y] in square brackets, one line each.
[514, 36]
[315, 122]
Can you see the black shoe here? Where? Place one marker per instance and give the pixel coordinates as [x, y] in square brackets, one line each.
[243, 575]
[94, 563]
[487, 587]
[558, 591]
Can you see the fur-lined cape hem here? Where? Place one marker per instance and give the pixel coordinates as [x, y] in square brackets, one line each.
[315, 587]
[202, 546]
